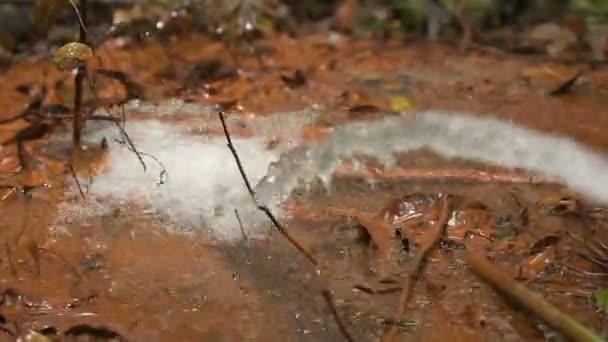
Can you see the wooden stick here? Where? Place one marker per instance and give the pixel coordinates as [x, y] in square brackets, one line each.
[532, 301]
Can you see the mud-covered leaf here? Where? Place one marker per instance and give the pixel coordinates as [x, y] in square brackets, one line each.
[535, 264]
[227, 104]
[364, 108]
[566, 86]
[134, 90]
[207, 71]
[49, 331]
[505, 231]
[35, 336]
[98, 332]
[450, 245]
[33, 132]
[405, 326]
[564, 206]
[296, 80]
[92, 262]
[24, 88]
[601, 299]
[55, 110]
[32, 248]
[12, 297]
[544, 243]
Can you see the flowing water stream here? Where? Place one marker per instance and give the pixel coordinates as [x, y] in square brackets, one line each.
[204, 188]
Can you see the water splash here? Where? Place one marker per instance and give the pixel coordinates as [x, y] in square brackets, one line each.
[452, 135]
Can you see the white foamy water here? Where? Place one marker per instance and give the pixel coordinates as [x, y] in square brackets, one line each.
[204, 186]
[451, 135]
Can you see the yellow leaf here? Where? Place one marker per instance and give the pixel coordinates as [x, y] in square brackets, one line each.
[265, 25]
[400, 103]
[34, 336]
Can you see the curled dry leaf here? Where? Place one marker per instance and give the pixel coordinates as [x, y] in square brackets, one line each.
[566, 86]
[534, 264]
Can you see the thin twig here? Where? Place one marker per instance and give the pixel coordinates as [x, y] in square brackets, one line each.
[262, 207]
[26, 214]
[123, 132]
[238, 217]
[81, 18]
[80, 75]
[371, 291]
[163, 176]
[417, 264]
[325, 293]
[32, 248]
[329, 298]
[75, 176]
[9, 258]
[118, 124]
[73, 268]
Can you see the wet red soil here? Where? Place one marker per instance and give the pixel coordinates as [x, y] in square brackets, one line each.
[137, 280]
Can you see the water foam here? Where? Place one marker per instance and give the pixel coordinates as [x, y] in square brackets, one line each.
[452, 135]
[204, 186]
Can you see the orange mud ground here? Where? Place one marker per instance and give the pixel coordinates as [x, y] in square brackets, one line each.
[137, 280]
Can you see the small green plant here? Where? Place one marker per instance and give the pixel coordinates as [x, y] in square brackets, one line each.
[595, 10]
[410, 13]
[601, 299]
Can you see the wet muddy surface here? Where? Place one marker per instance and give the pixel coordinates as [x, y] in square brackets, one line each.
[124, 271]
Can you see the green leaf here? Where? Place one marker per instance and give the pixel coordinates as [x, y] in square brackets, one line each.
[601, 299]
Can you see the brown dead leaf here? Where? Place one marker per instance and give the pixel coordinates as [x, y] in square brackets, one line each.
[532, 265]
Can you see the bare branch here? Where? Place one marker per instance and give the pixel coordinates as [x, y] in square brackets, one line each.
[124, 134]
[262, 207]
[331, 304]
[75, 176]
[238, 217]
